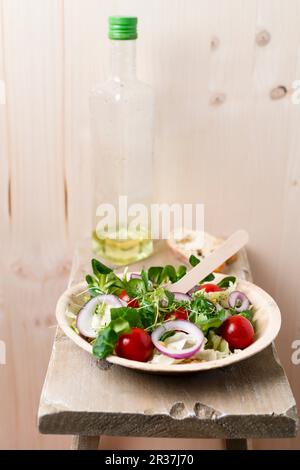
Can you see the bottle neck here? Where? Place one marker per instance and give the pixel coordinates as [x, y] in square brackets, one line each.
[123, 59]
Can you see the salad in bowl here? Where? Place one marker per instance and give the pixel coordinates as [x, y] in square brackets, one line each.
[134, 317]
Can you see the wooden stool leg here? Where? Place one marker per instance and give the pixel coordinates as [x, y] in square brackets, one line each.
[85, 443]
[236, 444]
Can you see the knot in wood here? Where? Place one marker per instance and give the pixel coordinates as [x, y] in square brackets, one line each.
[204, 411]
[263, 38]
[214, 43]
[217, 99]
[178, 411]
[278, 92]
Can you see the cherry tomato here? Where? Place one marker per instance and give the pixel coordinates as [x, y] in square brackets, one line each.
[130, 302]
[210, 288]
[238, 332]
[136, 346]
[179, 314]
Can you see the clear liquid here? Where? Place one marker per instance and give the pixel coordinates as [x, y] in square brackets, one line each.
[122, 252]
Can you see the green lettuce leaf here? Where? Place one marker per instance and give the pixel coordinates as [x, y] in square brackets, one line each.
[205, 322]
[217, 343]
[136, 288]
[154, 274]
[105, 343]
[225, 283]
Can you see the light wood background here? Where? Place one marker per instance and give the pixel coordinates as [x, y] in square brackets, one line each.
[220, 140]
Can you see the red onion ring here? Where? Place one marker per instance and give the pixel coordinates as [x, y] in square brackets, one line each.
[178, 325]
[237, 296]
[135, 276]
[85, 316]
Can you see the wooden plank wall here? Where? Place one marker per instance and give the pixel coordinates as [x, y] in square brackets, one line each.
[218, 133]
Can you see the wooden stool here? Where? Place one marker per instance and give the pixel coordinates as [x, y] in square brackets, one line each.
[86, 398]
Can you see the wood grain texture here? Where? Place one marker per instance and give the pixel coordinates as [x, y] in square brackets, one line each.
[214, 120]
[83, 66]
[258, 404]
[4, 162]
[33, 253]
[246, 400]
[85, 443]
[236, 444]
[35, 133]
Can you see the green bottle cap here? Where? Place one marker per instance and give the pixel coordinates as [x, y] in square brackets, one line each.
[122, 27]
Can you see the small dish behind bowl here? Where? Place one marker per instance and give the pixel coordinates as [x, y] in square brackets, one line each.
[267, 319]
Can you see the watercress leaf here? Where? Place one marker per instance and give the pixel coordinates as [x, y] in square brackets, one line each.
[99, 268]
[154, 274]
[201, 310]
[105, 343]
[194, 261]
[247, 314]
[147, 315]
[181, 271]
[224, 283]
[202, 305]
[170, 296]
[113, 290]
[211, 322]
[168, 273]
[113, 284]
[192, 316]
[135, 288]
[130, 315]
[145, 278]
[209, 278]
[120, 326]
[90, 280]
[94, 289]
[108, 285]
[112, 277]
[124, 276]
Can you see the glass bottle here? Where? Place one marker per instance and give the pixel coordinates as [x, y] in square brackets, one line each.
[122, 114]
